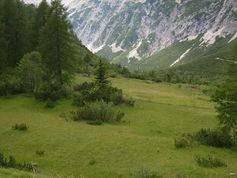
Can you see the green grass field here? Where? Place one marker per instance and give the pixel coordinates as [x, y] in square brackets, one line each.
[144, 140]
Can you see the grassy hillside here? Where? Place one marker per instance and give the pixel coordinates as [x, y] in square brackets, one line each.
[199, 60]
[145, 139]
[164, 58]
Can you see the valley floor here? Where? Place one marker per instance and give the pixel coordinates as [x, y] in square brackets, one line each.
[144, 140]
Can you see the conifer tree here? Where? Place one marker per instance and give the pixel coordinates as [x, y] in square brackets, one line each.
[14, 32]
[3, 55]
[39, 21]
[22, 39]
[9, 34]
[226, 99]
[56, 43]
[101, 75]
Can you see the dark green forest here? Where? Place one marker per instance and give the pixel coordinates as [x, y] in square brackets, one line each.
[39, 52]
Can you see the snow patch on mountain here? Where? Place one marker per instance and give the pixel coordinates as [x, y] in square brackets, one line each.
[134, 53]
[233, 38]
[181, 57]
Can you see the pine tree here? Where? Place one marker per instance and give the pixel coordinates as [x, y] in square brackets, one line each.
[22, 39]
[3, 55]
[226, 99]
[9, 34]
[56, 43]
[39, 21]
[14, 31]
[101, 75]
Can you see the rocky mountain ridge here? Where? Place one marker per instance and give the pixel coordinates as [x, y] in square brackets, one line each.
[127, 31]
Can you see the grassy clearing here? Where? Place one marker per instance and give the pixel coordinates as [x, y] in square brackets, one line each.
[145, 139]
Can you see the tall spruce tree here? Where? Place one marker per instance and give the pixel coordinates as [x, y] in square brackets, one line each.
[226, 99]
[101, 75]
[56, 43]
[14, 30]
[2, 43]
[9, 21]
[39, 21]
[22, 39]
[3, 55]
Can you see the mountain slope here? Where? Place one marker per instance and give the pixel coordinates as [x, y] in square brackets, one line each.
[127, 30]
[153, 34]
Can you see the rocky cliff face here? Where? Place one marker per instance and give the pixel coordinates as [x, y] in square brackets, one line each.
[126, 30]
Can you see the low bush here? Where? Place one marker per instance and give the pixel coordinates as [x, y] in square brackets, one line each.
[184, 141]
[50, 92]
[10, 84]
[128, 102]
[84, 86]
[20, 127]
[216, 137]
[92, 162]
[91, 92]
[97, 112]
[10, 162]
[50, 104]
[119, 116]
[144, 173]
[40, 152]
[210, 162]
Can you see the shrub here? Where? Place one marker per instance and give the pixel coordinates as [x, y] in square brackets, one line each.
[129, 102]
[30, 70]
[40, 152]
[210, 162]
[183, 142]
[217, 138]
[10, 162]
[84, 86]
[50, 92]
[119, 116]
[20, 127]
[97, 112]
[92, 162]
[144, 173]
[50, 104]
[10, 84]
[91, 92]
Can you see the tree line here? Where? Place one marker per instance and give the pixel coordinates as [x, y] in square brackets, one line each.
[37, 48]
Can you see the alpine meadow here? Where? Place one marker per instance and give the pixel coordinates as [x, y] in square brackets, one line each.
[118, 88]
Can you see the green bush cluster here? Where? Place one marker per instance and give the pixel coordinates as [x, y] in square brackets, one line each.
[10, 84]
[91, 92]
[210, 162]
[170, 76]
[20, 127]
[184, 141]
[10, 162]
[50, 91]
[40, 152]
[214, 137]
[97, 113]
